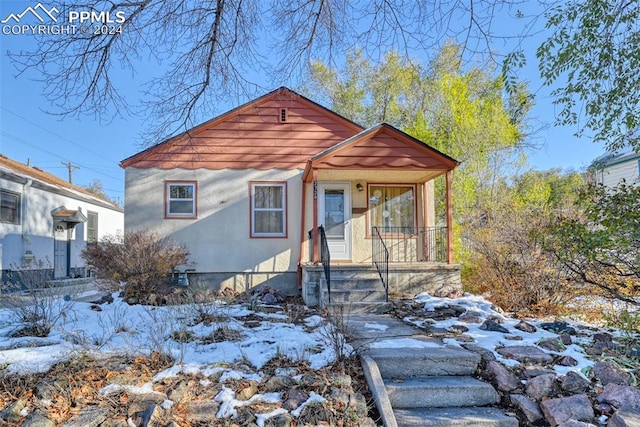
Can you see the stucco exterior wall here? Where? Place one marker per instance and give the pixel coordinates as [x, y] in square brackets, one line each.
[222, 249]
[35, 231]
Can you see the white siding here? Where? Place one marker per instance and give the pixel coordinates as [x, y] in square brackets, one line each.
[35, 231]
[219, 238]
[611, 175]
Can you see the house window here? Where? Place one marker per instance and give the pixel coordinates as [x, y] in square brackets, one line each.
[9, 207]
[268, 209]
[180, 199]
[392, 208]
[92, 227]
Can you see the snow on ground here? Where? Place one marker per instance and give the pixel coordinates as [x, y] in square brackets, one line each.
[120, 328]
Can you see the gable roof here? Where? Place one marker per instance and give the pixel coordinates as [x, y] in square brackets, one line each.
[382, 147]
[21, 173]
[253, 136]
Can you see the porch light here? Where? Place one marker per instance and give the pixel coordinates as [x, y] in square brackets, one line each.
[359, 187]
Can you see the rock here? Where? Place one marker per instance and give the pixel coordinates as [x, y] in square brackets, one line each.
[542, 386]
[340, 396]
[602, 338]
[496, 318]
[295, 398]
[202, 411]
[459, 329]
[513, 337]
[139, 403]
[247, 392]
[340, 380]
[503, 378]
[486, 355]
[358, 404]
[625, 417]
[178, 392]
[575, 423]
[153, 416]
[576, 407]
[269, 299]
[574, 383]
[610, 373]
[551, 344]
[566, 361]
[526, 327]
[525, 353]
[534, 371]
[620, 396]
[529, 408]
[281, 420]
[11, 413]
[493, 326]
[278, 383]
[566, 339]
[36, 419]
[470, 318]
[558, 327]
[90, 416]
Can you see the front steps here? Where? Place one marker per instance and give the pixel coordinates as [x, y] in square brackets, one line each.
[354, 292]
[431, 386]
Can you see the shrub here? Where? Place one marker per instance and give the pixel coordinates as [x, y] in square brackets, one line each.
[141, 261]
[510, 265]
[39, 305]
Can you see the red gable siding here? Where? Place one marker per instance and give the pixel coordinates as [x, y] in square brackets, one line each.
[252, 137]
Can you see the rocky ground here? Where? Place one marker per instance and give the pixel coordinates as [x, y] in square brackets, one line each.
[150, 391]
[542, 383]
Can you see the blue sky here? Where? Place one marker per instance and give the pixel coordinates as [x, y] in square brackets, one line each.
[27, 132]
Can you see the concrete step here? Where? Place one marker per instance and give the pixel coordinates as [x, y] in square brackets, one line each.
[439, 392]
[355, 295]
[454, 417]
[348, 283]
[411, 362]
[355, 307]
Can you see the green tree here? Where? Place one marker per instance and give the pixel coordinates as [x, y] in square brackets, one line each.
[600, 246]
[593, 54]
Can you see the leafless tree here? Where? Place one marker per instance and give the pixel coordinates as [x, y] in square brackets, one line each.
[209, 51]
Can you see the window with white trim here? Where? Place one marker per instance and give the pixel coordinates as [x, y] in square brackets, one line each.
[92, 227]
[268, 209]
[392, 208]
[9, 207]
[180, 199]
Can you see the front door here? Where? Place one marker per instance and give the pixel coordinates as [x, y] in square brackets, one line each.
[334, 213]
[60, 251]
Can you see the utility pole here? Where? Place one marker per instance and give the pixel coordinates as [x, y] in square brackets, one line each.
[71, 167]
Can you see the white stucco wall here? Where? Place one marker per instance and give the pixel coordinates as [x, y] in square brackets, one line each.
[219, 238]
[35, 231]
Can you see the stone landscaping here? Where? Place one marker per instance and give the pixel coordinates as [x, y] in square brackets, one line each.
[526, 376]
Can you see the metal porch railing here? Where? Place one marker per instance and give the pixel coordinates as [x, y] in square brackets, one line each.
[325, 256]
[414, 244]
[380, 258]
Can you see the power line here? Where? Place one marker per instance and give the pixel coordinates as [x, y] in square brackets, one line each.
[22, 141]
[56, 135]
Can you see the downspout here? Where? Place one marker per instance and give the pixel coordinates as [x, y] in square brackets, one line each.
[302, 227]
[23, 214]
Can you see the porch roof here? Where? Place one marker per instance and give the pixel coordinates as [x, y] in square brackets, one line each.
[382, 147]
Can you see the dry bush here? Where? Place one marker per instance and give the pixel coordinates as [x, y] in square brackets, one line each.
[141, 260]
[511, 266]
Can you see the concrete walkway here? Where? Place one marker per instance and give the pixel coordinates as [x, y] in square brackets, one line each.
[417, 380]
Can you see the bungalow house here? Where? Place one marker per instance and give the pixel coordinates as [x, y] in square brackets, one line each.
[284, 192]
[44, 218]
[611, 168]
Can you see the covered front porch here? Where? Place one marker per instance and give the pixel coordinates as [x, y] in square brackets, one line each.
[369, 213]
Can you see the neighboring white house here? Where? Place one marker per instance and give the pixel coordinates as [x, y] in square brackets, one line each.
[611, 168]
[247, 192]
[45, 219]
